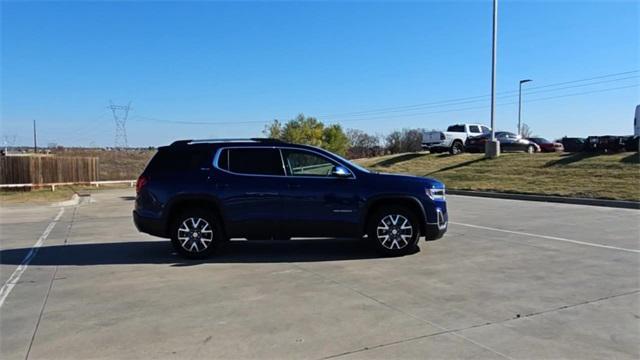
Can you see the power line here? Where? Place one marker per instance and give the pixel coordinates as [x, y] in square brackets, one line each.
[383, 116]
[486, 107]
[458, 100]
[483, 99]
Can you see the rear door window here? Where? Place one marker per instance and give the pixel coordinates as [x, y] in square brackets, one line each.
[254, 161]
[474, 129]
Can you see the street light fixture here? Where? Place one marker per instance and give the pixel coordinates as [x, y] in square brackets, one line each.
[520, 104]
[492, 147]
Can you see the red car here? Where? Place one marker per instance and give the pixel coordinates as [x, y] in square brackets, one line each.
[546, 145]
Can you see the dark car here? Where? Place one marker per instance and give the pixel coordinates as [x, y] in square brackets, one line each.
[546, 145]
[508, 142]
[200, 193]
[574, 144]
[607, 143]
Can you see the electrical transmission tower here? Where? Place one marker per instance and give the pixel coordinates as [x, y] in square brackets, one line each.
[120, 115]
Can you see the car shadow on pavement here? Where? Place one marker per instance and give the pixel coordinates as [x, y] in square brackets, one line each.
[161, 252]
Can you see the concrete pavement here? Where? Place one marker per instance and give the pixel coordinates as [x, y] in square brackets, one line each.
[511, 279]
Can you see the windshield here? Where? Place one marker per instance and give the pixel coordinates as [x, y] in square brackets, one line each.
[541, 141]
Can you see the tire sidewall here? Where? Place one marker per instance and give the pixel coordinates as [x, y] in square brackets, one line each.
[375, 219]
[457, 145]
[213, 223]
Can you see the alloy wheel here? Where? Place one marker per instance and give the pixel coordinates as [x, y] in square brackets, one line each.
[195, 234]
[394, 231]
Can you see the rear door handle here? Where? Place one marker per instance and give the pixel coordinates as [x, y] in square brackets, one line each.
[294, 186]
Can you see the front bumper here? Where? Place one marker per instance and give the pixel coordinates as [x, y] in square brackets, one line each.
[434, 231]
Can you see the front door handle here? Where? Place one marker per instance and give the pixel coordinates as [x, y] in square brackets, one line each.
[294, 186]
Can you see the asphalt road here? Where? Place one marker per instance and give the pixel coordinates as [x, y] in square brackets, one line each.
[511, 279]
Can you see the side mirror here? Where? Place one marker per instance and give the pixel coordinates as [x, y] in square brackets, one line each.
[341, 172]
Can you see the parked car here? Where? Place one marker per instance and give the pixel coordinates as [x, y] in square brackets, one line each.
[546, 145]
[452, 140]
[573, 144]
[508, 142]
[607, 143]
[200, 193]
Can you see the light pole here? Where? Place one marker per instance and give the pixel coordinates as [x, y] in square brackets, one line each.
[520, 104]
[492, 148]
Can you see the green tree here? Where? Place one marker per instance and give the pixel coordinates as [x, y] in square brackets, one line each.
[273, 130]
[303, 130]
[335, 140]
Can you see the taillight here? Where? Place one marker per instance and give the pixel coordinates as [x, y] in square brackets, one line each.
[142, 181]
[442, 136]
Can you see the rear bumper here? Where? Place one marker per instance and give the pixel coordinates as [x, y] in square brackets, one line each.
[151, 226]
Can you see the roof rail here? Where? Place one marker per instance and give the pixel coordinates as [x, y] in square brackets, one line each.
[224, 140]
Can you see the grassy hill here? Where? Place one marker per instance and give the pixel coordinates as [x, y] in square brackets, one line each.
[615, 176]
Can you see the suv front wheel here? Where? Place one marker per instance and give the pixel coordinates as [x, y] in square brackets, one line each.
[394, 230]
[195, 234]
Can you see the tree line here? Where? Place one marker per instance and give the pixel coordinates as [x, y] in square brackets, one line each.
[351, 143]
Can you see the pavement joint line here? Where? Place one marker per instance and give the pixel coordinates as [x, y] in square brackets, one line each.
[17, 273]
[443, 329]
[548, 237]
[499, 322]
[53, 278]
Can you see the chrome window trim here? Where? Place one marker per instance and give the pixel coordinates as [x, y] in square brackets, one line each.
[280, 148]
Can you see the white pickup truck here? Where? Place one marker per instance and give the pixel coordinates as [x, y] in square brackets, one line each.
[453, 139]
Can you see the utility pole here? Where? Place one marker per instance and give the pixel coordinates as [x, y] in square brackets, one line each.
[520, 104]
[35, 139]
[492, 147]
[120, 115]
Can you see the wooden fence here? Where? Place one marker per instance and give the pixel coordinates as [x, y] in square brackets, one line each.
[47, 169]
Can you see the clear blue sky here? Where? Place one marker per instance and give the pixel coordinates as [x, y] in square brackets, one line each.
[240, 64]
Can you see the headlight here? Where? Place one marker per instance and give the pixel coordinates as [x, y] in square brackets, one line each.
[435, 194]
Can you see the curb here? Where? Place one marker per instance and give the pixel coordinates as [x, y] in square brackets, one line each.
[545, 198]
[75, 200]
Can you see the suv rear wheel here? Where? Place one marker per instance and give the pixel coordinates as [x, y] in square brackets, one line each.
[195, 234]
[394, 230]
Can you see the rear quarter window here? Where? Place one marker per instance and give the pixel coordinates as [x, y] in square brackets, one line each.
[176, 160]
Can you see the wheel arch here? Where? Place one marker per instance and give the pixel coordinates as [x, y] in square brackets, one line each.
[409, 202]
[201, 201]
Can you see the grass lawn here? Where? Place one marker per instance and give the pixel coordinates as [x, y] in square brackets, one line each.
[587, 175]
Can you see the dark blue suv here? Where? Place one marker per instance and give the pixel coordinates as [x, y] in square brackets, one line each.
[200, 193]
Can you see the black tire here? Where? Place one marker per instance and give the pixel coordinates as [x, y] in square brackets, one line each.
[531, 149]
[456, 148]
[196, 234]
[401, 242]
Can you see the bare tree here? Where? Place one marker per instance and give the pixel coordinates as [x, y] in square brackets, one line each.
[526, 131]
